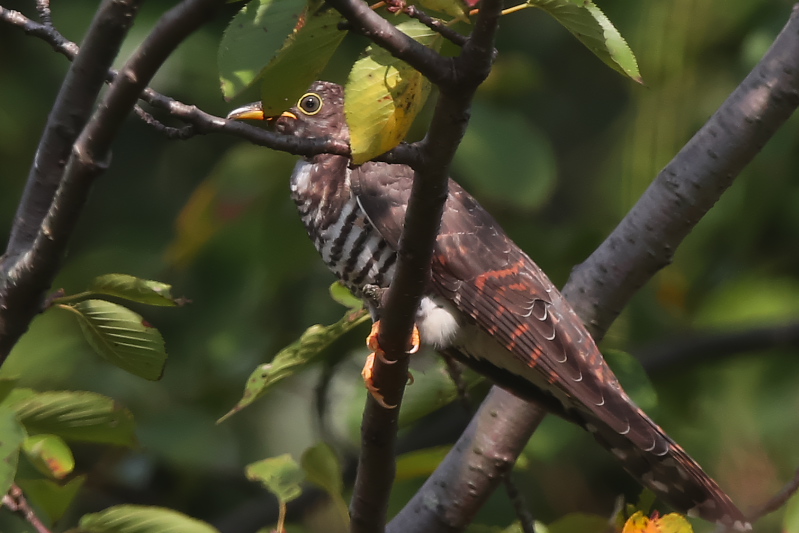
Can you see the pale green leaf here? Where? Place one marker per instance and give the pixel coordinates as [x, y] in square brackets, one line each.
[49, 454]
[790, 522]
[81, 416]
[590, 25]
[135, 289]
[322, 468]
[342, 295]
[384, 95]
[49, 496]
[296, 356]
[140, 519]
[306, 52]
[122, 337]
[12, 434]
[280, 475]
[432, 390]
[420, 463]
[252, 40]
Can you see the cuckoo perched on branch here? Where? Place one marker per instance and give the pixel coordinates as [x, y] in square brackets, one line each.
[488, 303]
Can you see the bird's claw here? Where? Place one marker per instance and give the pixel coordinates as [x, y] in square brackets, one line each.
[377, 352]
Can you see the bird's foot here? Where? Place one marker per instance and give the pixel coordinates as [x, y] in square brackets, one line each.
[377, 352]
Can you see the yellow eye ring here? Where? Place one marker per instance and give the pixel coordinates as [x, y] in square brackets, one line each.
[310, 103]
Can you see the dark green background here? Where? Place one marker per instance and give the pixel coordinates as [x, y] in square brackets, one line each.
[561, 147]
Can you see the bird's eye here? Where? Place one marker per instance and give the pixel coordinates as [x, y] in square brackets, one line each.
[310, 103]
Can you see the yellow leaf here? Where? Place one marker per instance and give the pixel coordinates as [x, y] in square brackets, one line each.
[670, 523]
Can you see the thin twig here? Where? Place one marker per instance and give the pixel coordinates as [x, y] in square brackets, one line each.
[16, 502]
[436, 25]
[43, 7]
[778, 500]
[169, 132]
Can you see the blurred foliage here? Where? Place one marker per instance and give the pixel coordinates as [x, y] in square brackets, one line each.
[212, 217]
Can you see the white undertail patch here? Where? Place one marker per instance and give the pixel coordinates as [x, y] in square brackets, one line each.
[437, 322]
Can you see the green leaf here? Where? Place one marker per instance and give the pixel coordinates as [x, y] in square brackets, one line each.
[12, 434]
[296, 356]
[454, 8]
[140, 519]
[322, 468]
[7, 386]
[307, 51]
[135, 289]
[384, 95]
[420, 463]
[49, 454]
[633, 378]
[81, 416]
[279, 475]
[49, 496]
[252, 39]
[505, 158]
[122, 337]
[592, 28]
[432, 390]
[342, 295]
[790, 522]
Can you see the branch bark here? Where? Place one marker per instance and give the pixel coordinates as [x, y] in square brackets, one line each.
[52, 204]
[376, 467]
[598, 289]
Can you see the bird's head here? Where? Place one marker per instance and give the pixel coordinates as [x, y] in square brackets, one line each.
[319, 113]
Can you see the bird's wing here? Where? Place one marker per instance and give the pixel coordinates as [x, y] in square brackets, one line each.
[487, 277]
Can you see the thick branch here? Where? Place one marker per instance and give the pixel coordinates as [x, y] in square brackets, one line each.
[33, 268]
[645, 240]
[376, 465]
[71, 111]
[598, 289]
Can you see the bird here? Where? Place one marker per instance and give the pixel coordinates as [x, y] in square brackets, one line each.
[488, 304]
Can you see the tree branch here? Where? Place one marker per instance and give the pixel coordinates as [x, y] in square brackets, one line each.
[600, 287]
[708, 347]
[39, 239]
[429, 192]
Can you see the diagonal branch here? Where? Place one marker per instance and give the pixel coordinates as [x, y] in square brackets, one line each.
[603, 284]
[47, 216]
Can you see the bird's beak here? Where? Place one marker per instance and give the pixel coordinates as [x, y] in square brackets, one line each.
[252, 111]
[255, 111]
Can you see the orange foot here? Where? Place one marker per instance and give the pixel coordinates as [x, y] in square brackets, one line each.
[377, 351]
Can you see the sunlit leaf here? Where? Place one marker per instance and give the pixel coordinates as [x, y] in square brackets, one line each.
[49, 496]
[122, 337]
[322, 468]
[12, 434]
[506, 159]
[49, 454]
[140, 519]
[454, 8]
[279, 475]
[587, 22]
[252, 39]
[384, 95]
[296, 356]
[135, 289]
[306, 52]
[81, 416]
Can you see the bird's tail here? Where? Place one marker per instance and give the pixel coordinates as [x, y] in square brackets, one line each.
[663, 466]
